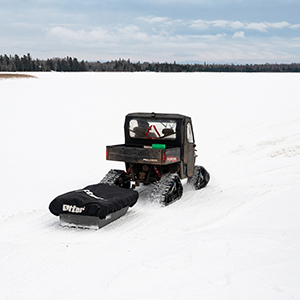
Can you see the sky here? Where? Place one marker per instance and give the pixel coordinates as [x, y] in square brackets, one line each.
[185, 31]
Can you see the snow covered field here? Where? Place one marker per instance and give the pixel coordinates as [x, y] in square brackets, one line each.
[239, 238]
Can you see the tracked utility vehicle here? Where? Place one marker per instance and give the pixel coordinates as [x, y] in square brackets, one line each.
[159, 149]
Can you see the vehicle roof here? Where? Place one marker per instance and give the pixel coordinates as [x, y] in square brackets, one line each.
[157, 116]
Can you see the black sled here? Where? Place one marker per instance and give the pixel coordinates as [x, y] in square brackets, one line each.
[94, 206]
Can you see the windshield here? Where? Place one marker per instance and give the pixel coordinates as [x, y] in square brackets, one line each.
[152, 129]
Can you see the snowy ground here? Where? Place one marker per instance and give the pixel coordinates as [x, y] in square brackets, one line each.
[237, 239]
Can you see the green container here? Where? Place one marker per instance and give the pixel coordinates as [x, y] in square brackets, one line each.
[159, 146]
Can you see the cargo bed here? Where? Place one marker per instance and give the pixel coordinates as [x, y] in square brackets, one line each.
[143, 154]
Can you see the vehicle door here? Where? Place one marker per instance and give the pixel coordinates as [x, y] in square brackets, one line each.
[189, 148]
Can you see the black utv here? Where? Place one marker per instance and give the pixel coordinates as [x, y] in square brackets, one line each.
[160, 149]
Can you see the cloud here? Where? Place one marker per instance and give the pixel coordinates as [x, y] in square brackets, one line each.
[296, 26]
[262, 26]
[219, 23]
[152, 19]
[278, 25]
[200, 24]
[239, 34]
[65, 34]
[204, 24]
[154, 38]
[99, 35]
[211, 36]
[236, 25]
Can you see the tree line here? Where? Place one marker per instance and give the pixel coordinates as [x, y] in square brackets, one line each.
[69, 64]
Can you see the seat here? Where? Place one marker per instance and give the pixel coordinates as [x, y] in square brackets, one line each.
[168, 131]
[139, 131]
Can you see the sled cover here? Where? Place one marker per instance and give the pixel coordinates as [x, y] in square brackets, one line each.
[97, 200]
